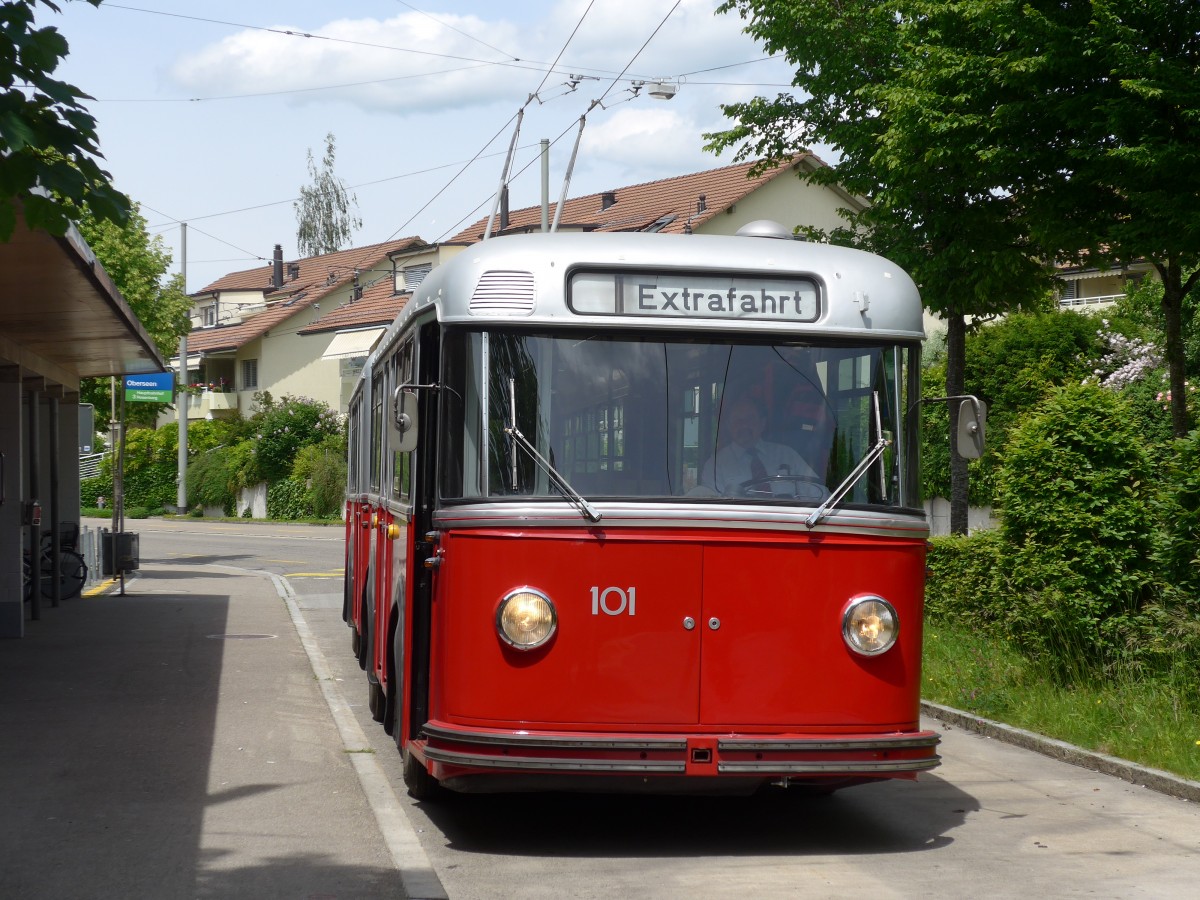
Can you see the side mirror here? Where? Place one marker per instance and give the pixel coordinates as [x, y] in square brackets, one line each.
[404, 413]
[972, 422]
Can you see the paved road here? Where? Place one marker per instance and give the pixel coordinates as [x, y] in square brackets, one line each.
[994, 820]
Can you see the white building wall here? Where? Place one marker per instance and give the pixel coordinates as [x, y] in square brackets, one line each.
[788, 200]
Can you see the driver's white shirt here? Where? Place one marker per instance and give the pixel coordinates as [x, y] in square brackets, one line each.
[731, 467]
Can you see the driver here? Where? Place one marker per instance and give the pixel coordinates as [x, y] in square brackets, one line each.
[746, 457]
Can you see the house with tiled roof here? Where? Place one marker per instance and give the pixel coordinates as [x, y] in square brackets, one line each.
[305, 327]
[252, 329]
[717, 201]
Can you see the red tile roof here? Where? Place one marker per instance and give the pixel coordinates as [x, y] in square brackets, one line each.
[379, 305]
[675, 202]
[317, 277]
[312, 269]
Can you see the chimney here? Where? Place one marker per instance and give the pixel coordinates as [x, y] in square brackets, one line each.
[293, 271]
[504, 207]
[277, 272]
[701, 204]
[607, 199]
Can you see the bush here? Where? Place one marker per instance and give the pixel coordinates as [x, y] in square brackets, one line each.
[322, 470]
[1074, 488]
[285, 500]
[92, 489]
[1011, 365]
[281, 429]
[964, 574]
[211, 481]
[137, 512]
[151, 466]
[1178, 507]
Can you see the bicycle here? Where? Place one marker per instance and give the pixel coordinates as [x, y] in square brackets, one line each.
[72, 570]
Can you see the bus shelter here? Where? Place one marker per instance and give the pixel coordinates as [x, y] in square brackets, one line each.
[61, 320]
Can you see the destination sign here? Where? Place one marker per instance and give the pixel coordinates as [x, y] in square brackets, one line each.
[674, 295]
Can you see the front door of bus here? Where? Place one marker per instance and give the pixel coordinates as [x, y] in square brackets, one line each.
[773, 650]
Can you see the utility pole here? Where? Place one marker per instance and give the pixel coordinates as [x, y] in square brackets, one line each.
[181, 398]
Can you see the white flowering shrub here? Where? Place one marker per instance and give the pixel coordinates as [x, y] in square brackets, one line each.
[1126, 361]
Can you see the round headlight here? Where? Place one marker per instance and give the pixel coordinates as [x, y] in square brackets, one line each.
[870, 625]
[526, 618]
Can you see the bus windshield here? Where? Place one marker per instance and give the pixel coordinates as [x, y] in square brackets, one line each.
[692, 418]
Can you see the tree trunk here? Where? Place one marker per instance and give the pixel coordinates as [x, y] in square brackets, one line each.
[1172, 307]
[956, 340]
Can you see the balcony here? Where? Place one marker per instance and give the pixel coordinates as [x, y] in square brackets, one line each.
[1104, 300]
[211, 404]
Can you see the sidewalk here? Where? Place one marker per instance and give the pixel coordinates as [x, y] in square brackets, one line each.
[175, 743]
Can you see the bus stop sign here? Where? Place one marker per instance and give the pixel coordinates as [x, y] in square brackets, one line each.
[157, 387]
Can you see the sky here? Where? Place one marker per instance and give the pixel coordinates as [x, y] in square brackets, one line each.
[207, 111]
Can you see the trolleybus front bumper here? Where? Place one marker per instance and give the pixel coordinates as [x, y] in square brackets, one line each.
[458, 753]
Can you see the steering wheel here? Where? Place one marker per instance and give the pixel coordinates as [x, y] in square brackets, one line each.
[804, 487]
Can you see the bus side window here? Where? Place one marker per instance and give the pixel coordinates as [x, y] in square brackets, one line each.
[402, 373]
[377, 403]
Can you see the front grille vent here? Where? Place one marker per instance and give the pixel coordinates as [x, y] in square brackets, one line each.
[503, 293]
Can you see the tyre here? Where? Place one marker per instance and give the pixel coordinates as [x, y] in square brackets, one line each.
[72, 574]
[364, 645]
[420, 784]
[376, 700]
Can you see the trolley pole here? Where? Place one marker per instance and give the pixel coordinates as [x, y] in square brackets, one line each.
[545, 185]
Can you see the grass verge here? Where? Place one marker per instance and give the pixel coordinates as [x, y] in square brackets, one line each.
[1152, 722]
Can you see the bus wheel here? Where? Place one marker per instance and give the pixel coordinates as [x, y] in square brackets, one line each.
[376, 700]
[364, 647]
[355, 640]
[421, 785]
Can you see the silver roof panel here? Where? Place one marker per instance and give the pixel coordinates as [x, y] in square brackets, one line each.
[523, 278]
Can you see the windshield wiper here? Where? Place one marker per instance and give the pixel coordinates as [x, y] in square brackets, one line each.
[864, 464]
[573, 496]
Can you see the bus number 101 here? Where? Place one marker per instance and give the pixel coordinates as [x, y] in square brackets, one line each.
[613, 601]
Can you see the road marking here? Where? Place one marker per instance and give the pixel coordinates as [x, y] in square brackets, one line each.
[417, 874]
[337, 574]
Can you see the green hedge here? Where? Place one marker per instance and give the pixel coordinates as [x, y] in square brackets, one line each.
[286, 500]
[1075, 574]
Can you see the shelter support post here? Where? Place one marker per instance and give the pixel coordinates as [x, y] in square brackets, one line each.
[12, 607]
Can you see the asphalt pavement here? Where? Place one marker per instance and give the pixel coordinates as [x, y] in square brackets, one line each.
[177, 741]
[188, 739]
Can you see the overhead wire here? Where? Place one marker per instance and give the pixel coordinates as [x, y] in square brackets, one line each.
[549, 70]
[465, 34]
[593, 104]
[503, 128]
[512, 61]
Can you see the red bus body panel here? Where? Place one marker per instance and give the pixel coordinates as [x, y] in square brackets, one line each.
[720, 653]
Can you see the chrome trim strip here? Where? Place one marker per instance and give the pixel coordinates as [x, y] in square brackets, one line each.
[789, 745]
[553, 514]
[569, 742]
[481, 761]
[764, 767]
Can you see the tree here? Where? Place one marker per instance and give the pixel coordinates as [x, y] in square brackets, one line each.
[934, 209]
[137, 264]
[324, 223]
[1099, 105]
[48, 139]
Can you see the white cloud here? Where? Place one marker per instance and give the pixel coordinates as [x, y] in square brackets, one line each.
[651, 140]
[408, 62]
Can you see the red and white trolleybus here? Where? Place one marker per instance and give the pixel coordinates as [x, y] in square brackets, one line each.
[642, 512]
